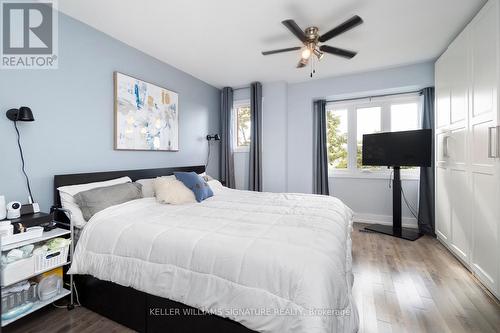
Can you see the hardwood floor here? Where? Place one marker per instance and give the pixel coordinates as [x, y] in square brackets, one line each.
[403, 286]
[399, 286]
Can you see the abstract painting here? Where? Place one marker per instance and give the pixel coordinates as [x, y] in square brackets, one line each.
[146, 116]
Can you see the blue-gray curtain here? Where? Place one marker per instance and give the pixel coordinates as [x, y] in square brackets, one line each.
[226, 154]
[320, 152]
[255, 179]
[426, 220]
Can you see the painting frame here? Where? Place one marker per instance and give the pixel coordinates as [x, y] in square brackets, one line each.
[118, 131]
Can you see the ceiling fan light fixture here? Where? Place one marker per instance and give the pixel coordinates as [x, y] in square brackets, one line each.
[302, 63]
[318, 54]
[306, 53]
[311, 39]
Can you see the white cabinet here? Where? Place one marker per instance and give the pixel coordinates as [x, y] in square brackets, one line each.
[484, 169]
[467, 142]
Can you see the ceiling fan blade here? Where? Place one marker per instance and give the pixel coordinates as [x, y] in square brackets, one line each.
[338, 52]
[295, 29]
[347, 25]
[302, 63]
[281, 50]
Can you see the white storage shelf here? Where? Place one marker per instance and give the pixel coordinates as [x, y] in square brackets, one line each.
[32, 274]
[43, 266]
[57, 232]
[38, 305]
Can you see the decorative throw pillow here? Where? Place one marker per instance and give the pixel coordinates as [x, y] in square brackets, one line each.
[97, 199]
[148, 187]
[67, 194]
[196, 184]
[148, 190]
[171, 191]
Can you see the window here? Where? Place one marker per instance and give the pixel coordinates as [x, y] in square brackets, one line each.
[404, 117]
[348, 121]
[369, 121]
[242, 125]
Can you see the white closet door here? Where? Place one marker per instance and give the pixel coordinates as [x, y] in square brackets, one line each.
[459, 78]
[442, 121]
[442, 78]
[461, 221]
[484, 169]
[452, 86]
[461, 216]
[443, 208]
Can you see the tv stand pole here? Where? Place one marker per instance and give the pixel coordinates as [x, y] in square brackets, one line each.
[396, 230]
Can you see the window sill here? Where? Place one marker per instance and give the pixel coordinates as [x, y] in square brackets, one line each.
[414, 176]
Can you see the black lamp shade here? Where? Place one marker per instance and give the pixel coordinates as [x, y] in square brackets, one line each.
[22, 114]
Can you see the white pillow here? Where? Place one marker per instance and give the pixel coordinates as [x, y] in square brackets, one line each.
[68, 201]
[205, 176]
[214, 183]
[148, 188]
[171, 191]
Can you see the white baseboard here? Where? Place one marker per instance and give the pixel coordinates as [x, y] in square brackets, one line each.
[407, 222]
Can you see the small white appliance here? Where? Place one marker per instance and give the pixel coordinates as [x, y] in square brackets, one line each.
[3, 208]
[13, 210]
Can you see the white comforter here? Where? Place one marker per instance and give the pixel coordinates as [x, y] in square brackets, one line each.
[273, 262]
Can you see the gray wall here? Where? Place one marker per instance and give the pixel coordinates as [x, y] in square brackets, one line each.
[73, 107]
[274, 133]
[287, 138]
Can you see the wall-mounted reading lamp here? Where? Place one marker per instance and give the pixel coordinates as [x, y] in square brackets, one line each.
[22, 114]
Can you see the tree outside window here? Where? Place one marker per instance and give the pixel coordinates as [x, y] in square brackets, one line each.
[243, 126]
[336, 121]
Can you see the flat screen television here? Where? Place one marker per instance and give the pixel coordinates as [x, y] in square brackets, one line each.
[408, 148]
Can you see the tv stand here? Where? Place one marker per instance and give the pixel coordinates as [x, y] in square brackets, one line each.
[396, 229]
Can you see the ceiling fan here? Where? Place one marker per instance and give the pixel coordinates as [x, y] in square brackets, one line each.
[311, 39]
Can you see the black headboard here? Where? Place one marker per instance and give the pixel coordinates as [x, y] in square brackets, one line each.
[82, 178]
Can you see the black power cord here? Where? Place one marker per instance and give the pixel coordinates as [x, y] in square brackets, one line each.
[22, 161]
[412, 210]
[208, 155]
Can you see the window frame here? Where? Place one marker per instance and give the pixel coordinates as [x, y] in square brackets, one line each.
[234, 120]
[352, 119]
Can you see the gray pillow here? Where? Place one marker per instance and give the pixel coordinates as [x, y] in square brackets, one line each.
[97, 199]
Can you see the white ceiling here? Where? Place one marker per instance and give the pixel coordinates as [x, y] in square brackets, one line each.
[219, 41]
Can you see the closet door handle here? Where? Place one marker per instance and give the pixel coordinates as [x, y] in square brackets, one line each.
[493, 153]
[445, 146]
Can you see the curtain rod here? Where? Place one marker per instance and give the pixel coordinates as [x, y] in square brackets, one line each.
[375, 96]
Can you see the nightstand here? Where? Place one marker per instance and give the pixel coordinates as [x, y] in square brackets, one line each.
[30, 220]
[24, 303]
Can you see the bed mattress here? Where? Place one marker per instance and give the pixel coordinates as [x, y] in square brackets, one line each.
[273, 262]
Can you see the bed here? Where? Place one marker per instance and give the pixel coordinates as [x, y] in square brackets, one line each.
[239, 261]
